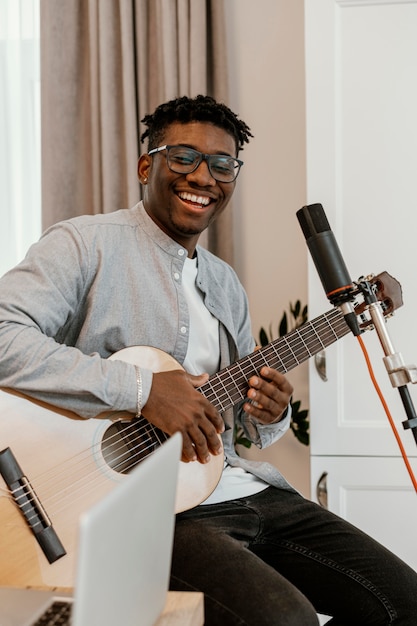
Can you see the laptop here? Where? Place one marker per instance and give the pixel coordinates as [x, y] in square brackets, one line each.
[124, 553]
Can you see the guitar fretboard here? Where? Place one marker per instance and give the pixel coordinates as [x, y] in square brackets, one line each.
[230, 385]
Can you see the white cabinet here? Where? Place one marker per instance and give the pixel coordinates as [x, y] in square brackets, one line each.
[374, 494]
[361, 95]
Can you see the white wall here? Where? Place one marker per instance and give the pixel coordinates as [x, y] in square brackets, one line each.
[266, 65]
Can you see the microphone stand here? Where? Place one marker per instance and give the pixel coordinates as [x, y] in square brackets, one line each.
[340, 290]
[399, 374]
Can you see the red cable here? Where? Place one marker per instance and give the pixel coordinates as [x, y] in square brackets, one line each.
[387, 411]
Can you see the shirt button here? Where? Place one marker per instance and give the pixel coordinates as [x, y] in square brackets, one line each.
[183, 330]
[176, 276]
[181, 252]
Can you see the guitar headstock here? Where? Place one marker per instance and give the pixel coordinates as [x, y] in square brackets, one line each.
[388, 292]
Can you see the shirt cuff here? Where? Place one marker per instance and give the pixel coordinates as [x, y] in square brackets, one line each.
[263, 435]
[147, 377]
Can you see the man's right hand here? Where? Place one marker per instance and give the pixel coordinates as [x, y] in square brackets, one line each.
[175, 405]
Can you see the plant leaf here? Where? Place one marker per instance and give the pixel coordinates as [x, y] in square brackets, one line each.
[283, 326]
[263, 337]
[296, 309]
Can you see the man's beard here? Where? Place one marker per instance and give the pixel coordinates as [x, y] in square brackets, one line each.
[188, 230]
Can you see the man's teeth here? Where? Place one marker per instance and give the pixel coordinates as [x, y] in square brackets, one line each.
[190, 197]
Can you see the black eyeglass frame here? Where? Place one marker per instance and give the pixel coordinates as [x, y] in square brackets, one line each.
[201, 157]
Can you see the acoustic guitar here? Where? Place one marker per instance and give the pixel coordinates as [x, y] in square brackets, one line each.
[56, 465]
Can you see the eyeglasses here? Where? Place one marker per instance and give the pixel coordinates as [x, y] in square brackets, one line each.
[183, 160]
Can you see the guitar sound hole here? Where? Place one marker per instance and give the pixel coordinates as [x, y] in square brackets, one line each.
[127, 443]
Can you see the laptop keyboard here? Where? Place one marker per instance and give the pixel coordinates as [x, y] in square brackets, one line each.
[58, 614]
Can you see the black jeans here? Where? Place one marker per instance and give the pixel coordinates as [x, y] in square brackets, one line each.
[276, 558]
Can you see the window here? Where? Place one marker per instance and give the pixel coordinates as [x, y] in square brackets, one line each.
[20, 156]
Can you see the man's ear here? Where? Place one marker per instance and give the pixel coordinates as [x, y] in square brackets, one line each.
[144, 168]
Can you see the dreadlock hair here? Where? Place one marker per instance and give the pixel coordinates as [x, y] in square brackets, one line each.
[198, 109]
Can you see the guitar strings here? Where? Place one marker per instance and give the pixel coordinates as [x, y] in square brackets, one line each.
[287, 354]
[57, 478]
[282, 354]
[86, 486]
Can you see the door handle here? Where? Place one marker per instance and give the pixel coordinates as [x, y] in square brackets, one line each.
[320, 363]
[321, 490]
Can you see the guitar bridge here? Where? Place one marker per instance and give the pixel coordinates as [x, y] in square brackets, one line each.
[30, 506]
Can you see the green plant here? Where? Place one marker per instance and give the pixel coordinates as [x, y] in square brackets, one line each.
[296, 316]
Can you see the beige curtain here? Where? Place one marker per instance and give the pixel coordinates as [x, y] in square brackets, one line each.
[104, 65]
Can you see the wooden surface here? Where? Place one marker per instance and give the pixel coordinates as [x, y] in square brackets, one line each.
[183, 609]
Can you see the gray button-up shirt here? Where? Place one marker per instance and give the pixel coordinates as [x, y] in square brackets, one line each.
[95, 284]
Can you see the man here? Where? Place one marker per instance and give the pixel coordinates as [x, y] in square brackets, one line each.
[260, 552]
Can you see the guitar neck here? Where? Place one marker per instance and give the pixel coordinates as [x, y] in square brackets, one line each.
[227, 387]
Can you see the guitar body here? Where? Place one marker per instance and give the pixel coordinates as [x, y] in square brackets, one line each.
[64, 458]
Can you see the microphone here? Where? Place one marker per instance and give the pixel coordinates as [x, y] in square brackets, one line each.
[329, 262]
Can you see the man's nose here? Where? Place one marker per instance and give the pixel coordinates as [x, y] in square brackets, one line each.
[202, 175]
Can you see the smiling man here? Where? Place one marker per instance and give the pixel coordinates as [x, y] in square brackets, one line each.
[262, 554]
[201, 179]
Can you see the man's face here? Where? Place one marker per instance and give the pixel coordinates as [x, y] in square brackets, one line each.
[183, 205]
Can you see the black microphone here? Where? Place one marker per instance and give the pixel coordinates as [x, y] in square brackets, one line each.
[329, 262]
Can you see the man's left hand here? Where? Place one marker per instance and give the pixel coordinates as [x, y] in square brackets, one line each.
[270, 394]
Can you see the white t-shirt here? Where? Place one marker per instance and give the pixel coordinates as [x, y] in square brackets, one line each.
[203, 355]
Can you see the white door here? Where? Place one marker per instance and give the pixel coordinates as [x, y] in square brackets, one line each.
[374, 494]
[361, 78]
